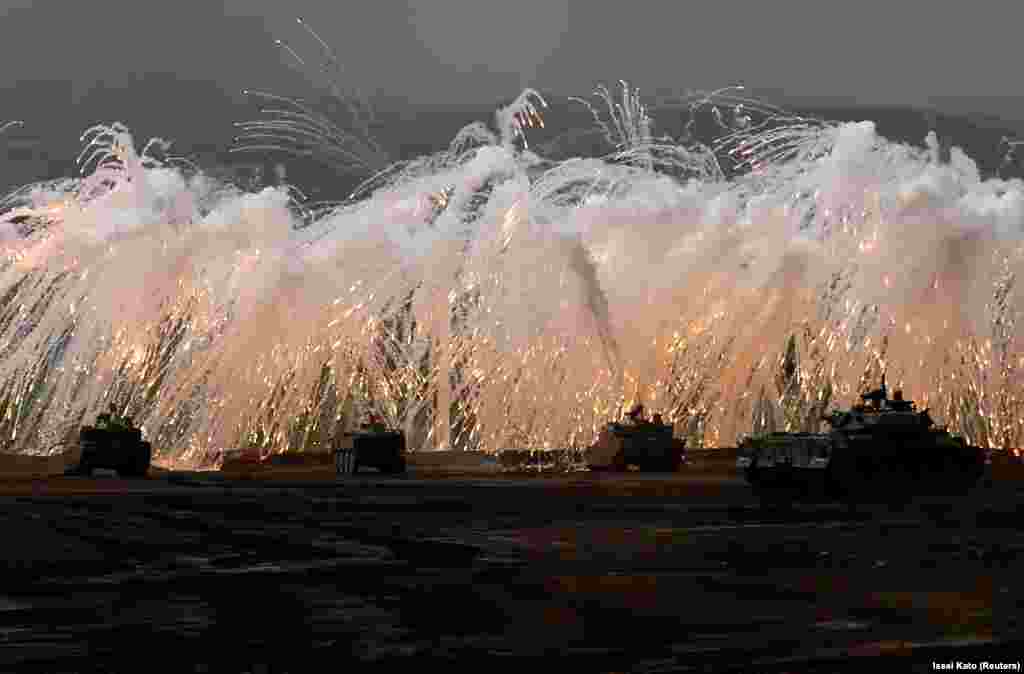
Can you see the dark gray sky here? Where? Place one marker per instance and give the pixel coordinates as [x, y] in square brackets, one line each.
[963, 57]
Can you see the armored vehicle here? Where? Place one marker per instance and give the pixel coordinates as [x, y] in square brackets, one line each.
[647, 445]
[374, 445]
[881, 449]
[113, 443]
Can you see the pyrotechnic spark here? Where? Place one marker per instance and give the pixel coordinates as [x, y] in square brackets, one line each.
[526, 310]
[519, 115]
[299, 130]
[629, 130]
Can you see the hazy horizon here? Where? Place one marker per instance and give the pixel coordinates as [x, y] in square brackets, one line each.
[439, 51]
[178, 70]
[204, 131]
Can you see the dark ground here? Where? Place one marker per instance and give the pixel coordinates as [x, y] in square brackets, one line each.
[584, 573]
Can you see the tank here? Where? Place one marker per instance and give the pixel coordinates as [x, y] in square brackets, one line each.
[647, 445]
[373, 445]
[881, 449]
[113, 443]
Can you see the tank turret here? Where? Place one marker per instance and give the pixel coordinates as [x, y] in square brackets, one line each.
[881, 447]
[881, 416]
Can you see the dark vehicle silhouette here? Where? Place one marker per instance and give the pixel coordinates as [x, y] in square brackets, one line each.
[647, 445]
[881, 450]
[113, 443]
[375, 446]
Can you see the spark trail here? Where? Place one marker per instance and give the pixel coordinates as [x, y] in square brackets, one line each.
[482, 298]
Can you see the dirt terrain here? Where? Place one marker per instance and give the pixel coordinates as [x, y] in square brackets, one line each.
[274, 568]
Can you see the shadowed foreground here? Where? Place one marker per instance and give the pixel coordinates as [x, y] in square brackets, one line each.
[209, 572]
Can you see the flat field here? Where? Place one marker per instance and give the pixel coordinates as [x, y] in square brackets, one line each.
[274, 568]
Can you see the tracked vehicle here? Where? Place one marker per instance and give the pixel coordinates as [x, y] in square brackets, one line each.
[645, 445]
[113, 443]
[374, 445]
[881, 450]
